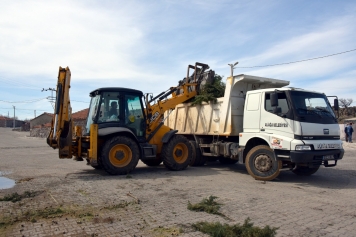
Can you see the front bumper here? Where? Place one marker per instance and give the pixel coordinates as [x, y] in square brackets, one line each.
[315, 156]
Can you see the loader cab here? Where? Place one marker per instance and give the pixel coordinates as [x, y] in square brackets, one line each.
[117, 107]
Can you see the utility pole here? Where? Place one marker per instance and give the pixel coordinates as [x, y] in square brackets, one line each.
[14, 117]
[35, 113]
[50, 99]
[232, 68]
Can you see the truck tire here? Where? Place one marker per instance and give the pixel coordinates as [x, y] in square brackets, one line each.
[177, 153]
[227, 161]
[155, 162]
[120, 155]
[198, 159]
[262, 164]
[304, 170]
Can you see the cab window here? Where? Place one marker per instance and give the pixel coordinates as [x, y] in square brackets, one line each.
[282, 102]
[109, 107]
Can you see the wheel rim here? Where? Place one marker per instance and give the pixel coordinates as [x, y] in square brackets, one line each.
[180, 153]
[120, 155]
[263, 163]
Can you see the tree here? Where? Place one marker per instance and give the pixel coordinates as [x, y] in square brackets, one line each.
[211, 91]
[345, 103]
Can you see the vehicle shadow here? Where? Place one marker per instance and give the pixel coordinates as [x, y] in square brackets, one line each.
[324, 178]
[329, 178]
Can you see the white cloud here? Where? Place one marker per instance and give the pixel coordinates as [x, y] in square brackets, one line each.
[39, 37]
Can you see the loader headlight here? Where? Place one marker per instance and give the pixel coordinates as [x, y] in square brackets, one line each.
[302, 148]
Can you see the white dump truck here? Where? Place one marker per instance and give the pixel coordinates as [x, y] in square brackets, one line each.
[265, 125]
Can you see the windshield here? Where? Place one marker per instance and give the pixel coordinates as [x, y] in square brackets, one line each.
[309, 104]
[92, 111]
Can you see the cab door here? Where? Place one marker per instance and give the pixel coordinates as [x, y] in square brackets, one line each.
[134, 117]
[276, 120]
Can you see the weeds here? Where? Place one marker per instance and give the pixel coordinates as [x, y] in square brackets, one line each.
[224, 230]
[117, 206]
[208, 205]
[15, 197]
[166, 232]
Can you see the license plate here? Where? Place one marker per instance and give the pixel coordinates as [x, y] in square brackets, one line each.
[329, 157]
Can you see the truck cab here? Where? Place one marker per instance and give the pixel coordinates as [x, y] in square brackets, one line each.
[298, 125]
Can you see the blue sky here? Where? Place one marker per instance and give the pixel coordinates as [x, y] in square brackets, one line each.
[147, 45]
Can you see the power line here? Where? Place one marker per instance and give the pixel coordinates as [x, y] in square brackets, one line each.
[24, 101]
[18, 84]
[80, 101]
[27, 109]
[330, 55]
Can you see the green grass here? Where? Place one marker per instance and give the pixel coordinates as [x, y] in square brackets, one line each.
[217, 229]
[117, 206]
[166, 232]
[15, 197]
[208, 205]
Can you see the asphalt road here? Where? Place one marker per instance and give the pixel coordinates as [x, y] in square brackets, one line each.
[152, 201]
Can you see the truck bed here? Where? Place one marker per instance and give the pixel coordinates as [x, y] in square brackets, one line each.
[224, 118]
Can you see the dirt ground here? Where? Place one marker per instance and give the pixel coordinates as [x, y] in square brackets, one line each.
[69, 198]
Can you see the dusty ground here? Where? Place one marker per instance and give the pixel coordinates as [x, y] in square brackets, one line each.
[92, 203]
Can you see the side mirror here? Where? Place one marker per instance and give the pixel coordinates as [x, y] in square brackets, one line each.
[274, 99]
[277, 110]
[336, 104]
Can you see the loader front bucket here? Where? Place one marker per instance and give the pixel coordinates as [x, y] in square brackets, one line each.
[198, 78]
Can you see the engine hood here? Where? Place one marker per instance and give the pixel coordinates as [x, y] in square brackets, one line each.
[311, 131]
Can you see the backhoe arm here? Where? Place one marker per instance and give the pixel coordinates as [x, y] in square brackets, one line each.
[60, 135]
[187, 89]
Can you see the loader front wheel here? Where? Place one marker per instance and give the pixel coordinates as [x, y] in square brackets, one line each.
[262, 164]
[177, 153]
[120, 155]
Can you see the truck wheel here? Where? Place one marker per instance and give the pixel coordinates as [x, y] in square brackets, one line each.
[155, 162]
[120, 155]
[198, 159]
[227, 161]
[262, 164]
[177, 153]
[304, 170]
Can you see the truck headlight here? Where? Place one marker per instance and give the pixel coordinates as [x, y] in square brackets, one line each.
[302, 148]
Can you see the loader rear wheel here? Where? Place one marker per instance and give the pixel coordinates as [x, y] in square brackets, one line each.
[304, 170]
[227, 161]
[177, 153]
[198, 159]
[155, 162]
[120, 155]
[262, 164]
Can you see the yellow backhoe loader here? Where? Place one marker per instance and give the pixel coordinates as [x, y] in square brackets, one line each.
[124, 126]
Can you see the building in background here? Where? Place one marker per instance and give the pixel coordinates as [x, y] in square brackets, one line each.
[41, 119]
[42, 129]
[7, 122]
